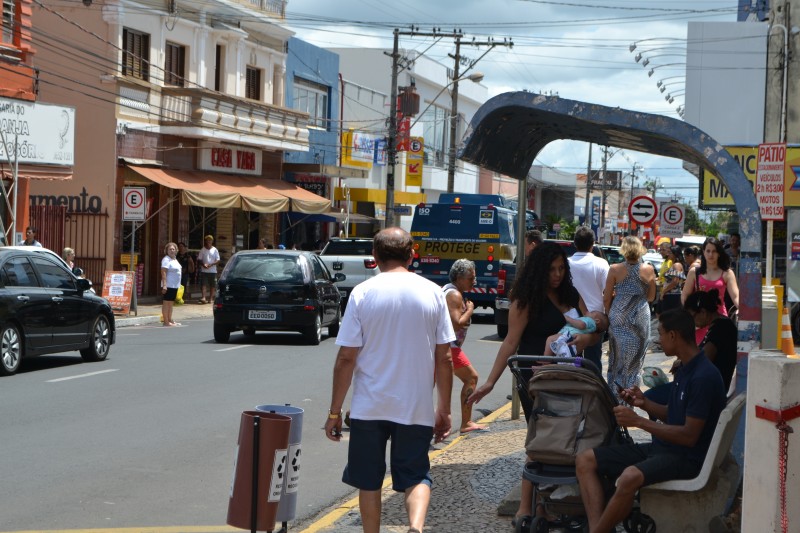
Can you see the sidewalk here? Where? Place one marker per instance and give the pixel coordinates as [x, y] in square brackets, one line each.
[473, 475]
[149, 312]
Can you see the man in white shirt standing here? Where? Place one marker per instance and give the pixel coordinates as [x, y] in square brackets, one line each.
[208, 257]
[394, 347]
[589, 274]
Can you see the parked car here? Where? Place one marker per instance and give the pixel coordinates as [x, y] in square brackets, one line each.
[612, 254]
[353, 258]
[277, 290]
[45, 309]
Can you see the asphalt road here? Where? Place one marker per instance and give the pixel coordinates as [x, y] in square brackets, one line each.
[147, 438]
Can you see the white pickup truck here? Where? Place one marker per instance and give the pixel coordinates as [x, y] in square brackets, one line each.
[353, 258]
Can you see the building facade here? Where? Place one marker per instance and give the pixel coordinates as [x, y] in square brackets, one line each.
[188, 102]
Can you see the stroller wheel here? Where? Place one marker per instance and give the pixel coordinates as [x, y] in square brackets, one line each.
[524, 524]
[539, 525]
[637, 522]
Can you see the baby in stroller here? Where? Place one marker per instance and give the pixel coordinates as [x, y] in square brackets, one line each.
[558, 344]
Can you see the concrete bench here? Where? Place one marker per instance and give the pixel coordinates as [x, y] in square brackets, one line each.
[687, 505]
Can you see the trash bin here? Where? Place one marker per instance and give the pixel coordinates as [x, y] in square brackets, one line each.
[259, 471]
[288, 504]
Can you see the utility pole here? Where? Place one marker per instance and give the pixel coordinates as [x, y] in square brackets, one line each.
[391, 149]
[587, 221]
[454, 118]
[603, 177]
[457, 35]
[451, 156]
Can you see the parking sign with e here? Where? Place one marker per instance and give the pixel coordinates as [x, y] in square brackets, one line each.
[134, 204]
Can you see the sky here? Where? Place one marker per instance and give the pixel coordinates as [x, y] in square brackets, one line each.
[577, 49]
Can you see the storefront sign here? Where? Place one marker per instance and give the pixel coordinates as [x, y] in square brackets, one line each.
[229, 158]
[315, 184]
[769, 180]
[77, 203]
[354, 149]
[39, 133]
[714, 194]
[380, 153]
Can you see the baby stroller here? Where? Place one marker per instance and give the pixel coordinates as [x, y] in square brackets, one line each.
[573, 411]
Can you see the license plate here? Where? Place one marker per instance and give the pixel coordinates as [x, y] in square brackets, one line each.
[338, 265]
[343, 293]
[262, 315]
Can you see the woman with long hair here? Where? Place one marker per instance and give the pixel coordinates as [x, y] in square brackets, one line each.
[714, 272]
[542, 293]
[630, 287]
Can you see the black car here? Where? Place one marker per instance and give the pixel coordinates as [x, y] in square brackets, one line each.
[277, 290]
[45, 308]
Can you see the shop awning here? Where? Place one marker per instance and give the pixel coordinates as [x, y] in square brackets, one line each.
[40, 172]
[210, 189]
[332, 216]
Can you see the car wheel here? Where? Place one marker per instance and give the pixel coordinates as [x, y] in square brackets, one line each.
[221, 333]
[249, 331]
[313, 334]
[333, 327]
[502, 330]
[10, 350]
[99, 341]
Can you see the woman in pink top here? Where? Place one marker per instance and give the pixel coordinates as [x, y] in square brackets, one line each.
[714, 272]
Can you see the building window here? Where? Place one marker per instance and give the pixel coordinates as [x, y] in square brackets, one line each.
[135, 54]
[312, 98]
[174, 64]
[252, 89]
[436, 131]
[9, 21]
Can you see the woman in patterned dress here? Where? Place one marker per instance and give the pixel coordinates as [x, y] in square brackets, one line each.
[630, 287]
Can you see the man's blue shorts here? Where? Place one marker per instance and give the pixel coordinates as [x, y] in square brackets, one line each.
[366, 456]
[655, 462]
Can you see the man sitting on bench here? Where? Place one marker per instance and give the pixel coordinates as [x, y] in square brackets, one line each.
[697, 397]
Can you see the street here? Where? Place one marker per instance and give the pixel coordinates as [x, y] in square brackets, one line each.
[147, 438]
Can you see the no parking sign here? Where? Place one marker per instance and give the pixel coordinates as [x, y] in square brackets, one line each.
[134, 206]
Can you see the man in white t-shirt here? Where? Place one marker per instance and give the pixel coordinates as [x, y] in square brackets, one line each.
[207, 258]
[394, 347]
[589, 274]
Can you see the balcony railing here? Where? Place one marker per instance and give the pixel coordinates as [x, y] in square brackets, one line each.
[277, 8]
[232, 117]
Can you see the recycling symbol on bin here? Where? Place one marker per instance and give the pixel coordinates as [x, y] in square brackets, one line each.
[296, 460]
[280, 467]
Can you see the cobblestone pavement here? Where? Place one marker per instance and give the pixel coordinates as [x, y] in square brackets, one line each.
[472, 474]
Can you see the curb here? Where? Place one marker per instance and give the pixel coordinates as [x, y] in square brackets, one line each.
[137, 321]
[340, 510]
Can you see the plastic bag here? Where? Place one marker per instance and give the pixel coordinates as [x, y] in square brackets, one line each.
[179, 296]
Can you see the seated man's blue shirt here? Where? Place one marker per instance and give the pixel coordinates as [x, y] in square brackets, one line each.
[698, 392]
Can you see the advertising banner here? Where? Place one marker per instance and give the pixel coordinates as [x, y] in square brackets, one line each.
[118, 290]
[769, 180]
[43, 134]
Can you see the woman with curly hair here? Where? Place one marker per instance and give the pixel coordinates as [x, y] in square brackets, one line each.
[630, 287]
[542, 294]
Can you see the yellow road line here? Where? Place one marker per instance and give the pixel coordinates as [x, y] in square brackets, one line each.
[330, 519]
[324, 522]
[154, 529]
